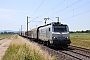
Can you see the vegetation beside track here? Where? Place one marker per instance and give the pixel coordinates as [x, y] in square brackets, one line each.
[4, 36]
[80, 39]
[22, 49]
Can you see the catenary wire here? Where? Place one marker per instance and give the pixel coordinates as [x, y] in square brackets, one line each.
[38, 7]
[76, 15]
[53, 8]
[60, 10]
[66, 7]
[50, 9]
[76, 8]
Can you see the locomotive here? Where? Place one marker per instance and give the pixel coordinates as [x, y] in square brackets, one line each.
[53, 33]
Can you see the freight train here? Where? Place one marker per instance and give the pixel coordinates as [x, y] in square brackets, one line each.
[53, 33]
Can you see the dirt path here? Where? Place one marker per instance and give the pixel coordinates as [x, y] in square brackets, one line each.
[4, 44]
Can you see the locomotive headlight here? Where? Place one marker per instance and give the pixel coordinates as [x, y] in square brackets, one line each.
[67, 37]
[54, 37]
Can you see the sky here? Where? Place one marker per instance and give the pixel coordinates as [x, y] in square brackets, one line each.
[74, 13]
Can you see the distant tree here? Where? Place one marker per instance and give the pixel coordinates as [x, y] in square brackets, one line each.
[82, 31]
[1, 32]
[5, 32]
[78, 31]
[9, 32]
[87, 31]
[72, 31]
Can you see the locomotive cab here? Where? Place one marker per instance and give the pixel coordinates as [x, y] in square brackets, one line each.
[60, 34]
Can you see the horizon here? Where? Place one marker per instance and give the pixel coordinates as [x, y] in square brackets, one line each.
[23, 30]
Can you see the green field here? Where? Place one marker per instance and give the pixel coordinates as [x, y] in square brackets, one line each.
[3, 36]
[80, 39]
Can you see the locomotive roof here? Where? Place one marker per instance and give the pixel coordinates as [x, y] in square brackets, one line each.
[53, 23]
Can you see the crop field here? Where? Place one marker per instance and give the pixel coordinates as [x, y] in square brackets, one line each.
[80, 39]
[3, 36]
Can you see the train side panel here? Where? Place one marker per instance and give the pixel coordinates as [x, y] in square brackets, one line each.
[45, 33]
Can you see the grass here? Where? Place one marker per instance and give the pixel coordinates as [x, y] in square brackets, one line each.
[80, 39]
[22, 49]
[3, 36]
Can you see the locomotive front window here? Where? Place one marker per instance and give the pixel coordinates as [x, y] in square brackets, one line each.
[60, 29]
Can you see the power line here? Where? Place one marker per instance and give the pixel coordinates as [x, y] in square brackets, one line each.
[76, 15]
[50, 9]
[76, 8]
[38, 7]
[66, 7]
[34, 18]
[53, 7]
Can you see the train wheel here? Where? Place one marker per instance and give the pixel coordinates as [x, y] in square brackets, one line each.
[65, 46]
[48, 43]
[44, 42]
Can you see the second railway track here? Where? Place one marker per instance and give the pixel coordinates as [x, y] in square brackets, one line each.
[79, 48]
[77, 52]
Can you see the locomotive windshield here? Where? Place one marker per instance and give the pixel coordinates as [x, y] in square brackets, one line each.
[62, 28]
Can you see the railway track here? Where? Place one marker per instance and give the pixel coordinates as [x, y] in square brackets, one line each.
[70, 53]
[74, 53]
[77, 52]
[79, 48]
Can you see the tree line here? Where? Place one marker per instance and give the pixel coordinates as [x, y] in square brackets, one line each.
[86, 31]
[8, 32]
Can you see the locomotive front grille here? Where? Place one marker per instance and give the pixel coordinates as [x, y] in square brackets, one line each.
[60, 38]
[61, 41]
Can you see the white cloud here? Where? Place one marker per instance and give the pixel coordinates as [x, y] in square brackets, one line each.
[6, 10]
[6, 14]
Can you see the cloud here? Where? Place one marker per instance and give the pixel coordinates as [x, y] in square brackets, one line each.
[7, 10]
[7, 14]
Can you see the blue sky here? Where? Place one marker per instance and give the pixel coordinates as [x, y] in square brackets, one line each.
[75, 13]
